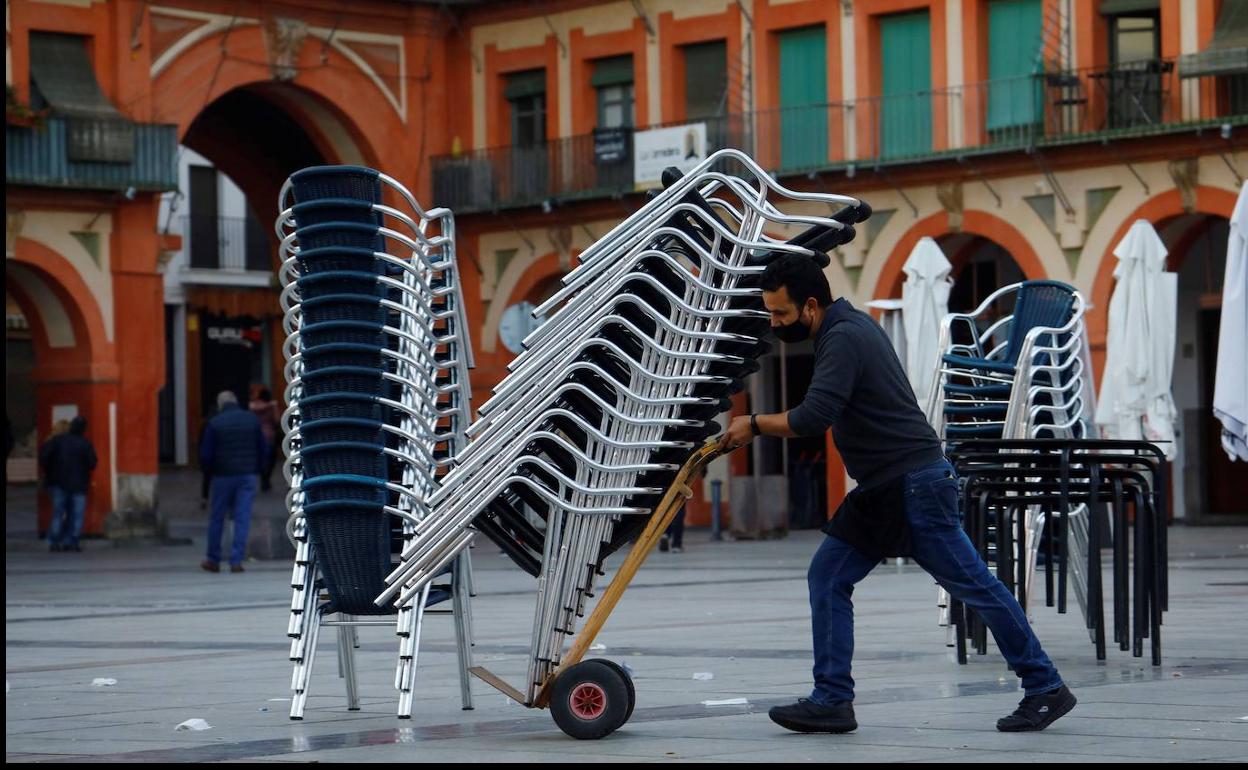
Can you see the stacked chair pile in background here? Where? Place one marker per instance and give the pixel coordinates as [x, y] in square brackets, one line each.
[1014, 399]
[377, 365]
[1127, 478]
[643, 346]
[1017, 375]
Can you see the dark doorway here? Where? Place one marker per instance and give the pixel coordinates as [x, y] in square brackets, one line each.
[1223, 485]
[205, 218]
[232, 356]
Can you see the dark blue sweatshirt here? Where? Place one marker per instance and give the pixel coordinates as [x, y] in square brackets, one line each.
[860, 392]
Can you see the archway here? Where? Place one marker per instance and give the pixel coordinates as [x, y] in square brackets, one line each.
[1205, 484]
[967, 240]
[66, 368]
[1195, 236]
[226, 334]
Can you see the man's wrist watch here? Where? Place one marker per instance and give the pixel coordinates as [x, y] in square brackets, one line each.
[754, 425]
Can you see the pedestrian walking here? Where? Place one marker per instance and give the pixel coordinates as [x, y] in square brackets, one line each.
[232, 450]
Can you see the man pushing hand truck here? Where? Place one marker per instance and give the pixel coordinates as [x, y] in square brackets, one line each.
[905, 504]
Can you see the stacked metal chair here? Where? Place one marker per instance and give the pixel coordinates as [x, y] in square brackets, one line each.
[1024, 375]
[1021, 376]
[648, 338]
[377, 365]
[1060, 475]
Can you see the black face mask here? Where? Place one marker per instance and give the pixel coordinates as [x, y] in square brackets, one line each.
[792, 333]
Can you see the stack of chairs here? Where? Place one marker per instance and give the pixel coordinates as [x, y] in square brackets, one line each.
[645, 343]
[1024, 375]
[377, 365]
[1060, 476]
[1016, 375]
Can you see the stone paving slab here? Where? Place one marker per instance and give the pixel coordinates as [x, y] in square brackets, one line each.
[183, 643]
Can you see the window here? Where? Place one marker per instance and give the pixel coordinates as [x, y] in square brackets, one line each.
[527, 175]
[1134, 38]
[613, 81]
[1137, 77]
[706, 80]
[526, 93]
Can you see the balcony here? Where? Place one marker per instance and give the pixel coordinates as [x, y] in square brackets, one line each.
[226, 251]
[1042, 110]
[84, 154]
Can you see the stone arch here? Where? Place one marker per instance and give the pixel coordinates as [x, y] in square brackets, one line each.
[324, 95]
[53, 294]
[981, 223]
[521, 277]
[75, 362]
[1209, 200]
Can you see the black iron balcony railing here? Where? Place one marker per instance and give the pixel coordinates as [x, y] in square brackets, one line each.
[232, 244]
[1053, 108]
[124, 155]
[562, 169]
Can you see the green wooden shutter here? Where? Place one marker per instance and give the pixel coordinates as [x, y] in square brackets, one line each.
[1014, 91]
[803, 98]
[612, 71]
[906, 100]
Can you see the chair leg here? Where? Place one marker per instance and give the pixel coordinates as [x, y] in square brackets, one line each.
[470, 578]
[409, 653]
[347, 639]
[462, 608]
[303, 670]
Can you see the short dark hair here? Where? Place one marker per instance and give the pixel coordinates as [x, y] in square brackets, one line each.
[801, 276]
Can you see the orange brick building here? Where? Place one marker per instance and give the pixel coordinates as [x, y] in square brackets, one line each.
[1025, 135]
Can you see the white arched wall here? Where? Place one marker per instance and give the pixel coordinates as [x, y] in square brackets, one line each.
[55, 230]
[53, 315]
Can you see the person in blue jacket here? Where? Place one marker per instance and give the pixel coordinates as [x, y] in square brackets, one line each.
[233, 451]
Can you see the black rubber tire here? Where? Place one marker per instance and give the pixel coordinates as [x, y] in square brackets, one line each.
[628, 679]
[607, 682]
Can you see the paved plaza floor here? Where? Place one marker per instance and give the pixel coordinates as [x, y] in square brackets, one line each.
[182, 644]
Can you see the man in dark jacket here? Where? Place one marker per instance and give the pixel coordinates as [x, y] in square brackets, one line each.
[68, 460]
[233, 451]
[906, 502]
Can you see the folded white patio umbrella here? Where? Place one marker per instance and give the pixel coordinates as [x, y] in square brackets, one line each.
[1135, 401]
[1230, 393]
[924, 303]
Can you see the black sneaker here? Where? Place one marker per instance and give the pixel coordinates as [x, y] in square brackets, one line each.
[665, 542]
[1036, 712]
[806, 716]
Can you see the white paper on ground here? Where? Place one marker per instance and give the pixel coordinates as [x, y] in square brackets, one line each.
[101, 681]
[597, 647]
[194, 724]
[728, 702]
[703, 676]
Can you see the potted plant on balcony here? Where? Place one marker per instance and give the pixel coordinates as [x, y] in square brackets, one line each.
[18, 113]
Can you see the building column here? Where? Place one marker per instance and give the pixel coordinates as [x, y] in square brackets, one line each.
[140, 327]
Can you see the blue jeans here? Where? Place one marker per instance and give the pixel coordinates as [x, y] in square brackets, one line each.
[941, 547]
[231, 493]
[68, 509]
